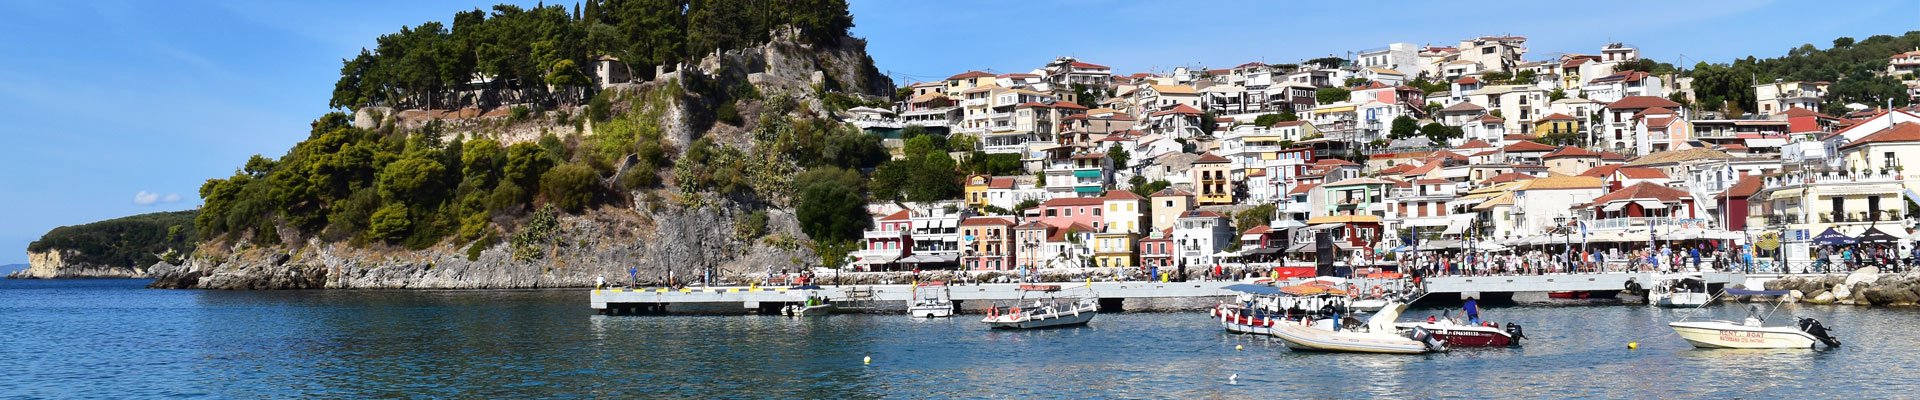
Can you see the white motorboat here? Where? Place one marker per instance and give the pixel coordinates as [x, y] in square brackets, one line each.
[1377, 335]
[930, 301]
[1685, 290]
[1041, 314]
[1753, 333]
[1244, 319]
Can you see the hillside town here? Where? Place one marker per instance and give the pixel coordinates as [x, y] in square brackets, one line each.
[1466, 158]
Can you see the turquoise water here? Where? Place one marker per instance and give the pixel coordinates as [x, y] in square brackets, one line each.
[111, 338]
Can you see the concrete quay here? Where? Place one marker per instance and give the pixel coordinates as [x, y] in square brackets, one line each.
[1112, 295]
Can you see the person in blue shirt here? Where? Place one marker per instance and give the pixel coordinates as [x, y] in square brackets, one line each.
[1695, 253]
[1472, 308]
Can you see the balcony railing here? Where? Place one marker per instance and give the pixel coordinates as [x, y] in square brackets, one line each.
[1860, 216]
[884, 234]
[1806, 178]
[1642, 222]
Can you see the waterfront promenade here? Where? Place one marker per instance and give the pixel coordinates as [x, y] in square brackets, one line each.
[1111, 294]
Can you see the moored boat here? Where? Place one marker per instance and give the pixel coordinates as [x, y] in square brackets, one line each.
[1040, 314]
[1753, 333]
[930, 301]
[1577, 294]
[1685, 290]
[813, 306]
[1377, 335]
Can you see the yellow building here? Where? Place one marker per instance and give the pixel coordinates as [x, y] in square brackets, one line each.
[1113, 249]
[1556, 124]
[977, 186]
[1212, 184]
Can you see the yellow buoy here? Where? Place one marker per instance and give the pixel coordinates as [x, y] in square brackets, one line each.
[868, 360]
[1238, 347]
[1633, 345]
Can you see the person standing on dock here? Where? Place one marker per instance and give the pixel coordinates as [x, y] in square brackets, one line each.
[633, 276]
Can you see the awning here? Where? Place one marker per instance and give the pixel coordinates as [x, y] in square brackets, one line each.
[1650, 204]
[1300, 248]
[1455, 229]
[945, 222]
[1439, 244]
[1086, 173]
[1322, 227]
[1615, 206]
[878, 260]
[1087, 189]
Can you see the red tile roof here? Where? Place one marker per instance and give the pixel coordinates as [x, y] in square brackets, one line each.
[1078, 64]
[1570, 151]
[1396, 169]
[897, 216]
[1527, 146]
[1475, 144]
[1333, 162]
[1642, 191]
[1902, 132]
[1463, 107]
[1642, 102]
[1601, 171]
[1210, 158]
[1000, 183]
[1182, 109]
[1506, 177]
[1558, 117]
[1746, 187]
[1302, 189]
[1200, 214]
[986, 221]
[1642, 173]
[968, 75]
[1466, 80]
[1121, 195]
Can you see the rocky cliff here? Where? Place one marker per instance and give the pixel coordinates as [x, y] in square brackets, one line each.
[602, 243]
[54, 264]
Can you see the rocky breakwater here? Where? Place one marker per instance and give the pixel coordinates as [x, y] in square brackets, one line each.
[603, 243]
[1866, 286]
[56, 264]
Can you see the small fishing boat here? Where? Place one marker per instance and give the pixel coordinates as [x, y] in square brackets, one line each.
[1377, 335]
[1472, 333]
[930, 301]
[1753, 333]
[1577, 294]
[1682, 290]
[1042, 314]
[814, 305]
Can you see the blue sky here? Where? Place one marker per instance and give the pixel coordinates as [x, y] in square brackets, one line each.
[114, 108]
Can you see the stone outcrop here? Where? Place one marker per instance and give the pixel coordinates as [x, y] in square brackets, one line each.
[603, 243]
[53, 264]
[1865, 287]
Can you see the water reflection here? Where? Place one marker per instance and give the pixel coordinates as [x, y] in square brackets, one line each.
[66, 340]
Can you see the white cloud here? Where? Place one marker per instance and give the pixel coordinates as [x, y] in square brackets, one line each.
[146, 198]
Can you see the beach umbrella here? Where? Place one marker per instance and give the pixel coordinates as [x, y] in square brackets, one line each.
[1833, 238]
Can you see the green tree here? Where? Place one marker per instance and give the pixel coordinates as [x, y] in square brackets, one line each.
[1556, 94]
[1404, 127]
[831, 213]
[1119, 155]
[1354, 82]
[1331, 95]
[390, 223]
[570, 186]
[1440, 134]
[1842, 41]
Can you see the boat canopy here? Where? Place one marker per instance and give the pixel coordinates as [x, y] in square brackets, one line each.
[1254, 289]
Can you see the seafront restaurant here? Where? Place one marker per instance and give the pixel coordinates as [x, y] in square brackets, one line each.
[1642, 217]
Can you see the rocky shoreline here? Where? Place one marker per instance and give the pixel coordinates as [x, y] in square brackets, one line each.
[1866, 287]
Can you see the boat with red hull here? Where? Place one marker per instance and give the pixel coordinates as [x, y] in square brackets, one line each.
[1570, 295]
[1462, 335]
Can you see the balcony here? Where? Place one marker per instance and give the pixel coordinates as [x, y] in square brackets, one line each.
[1860, 216]
[1642, 222]
[1826, 177]
[890, 234]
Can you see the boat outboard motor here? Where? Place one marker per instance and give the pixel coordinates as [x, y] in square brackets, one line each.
[1813, 327]
[1514, 330]
[1433, 344]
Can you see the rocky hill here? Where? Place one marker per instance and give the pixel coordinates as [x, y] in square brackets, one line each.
[687, 172]
[115, 248]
